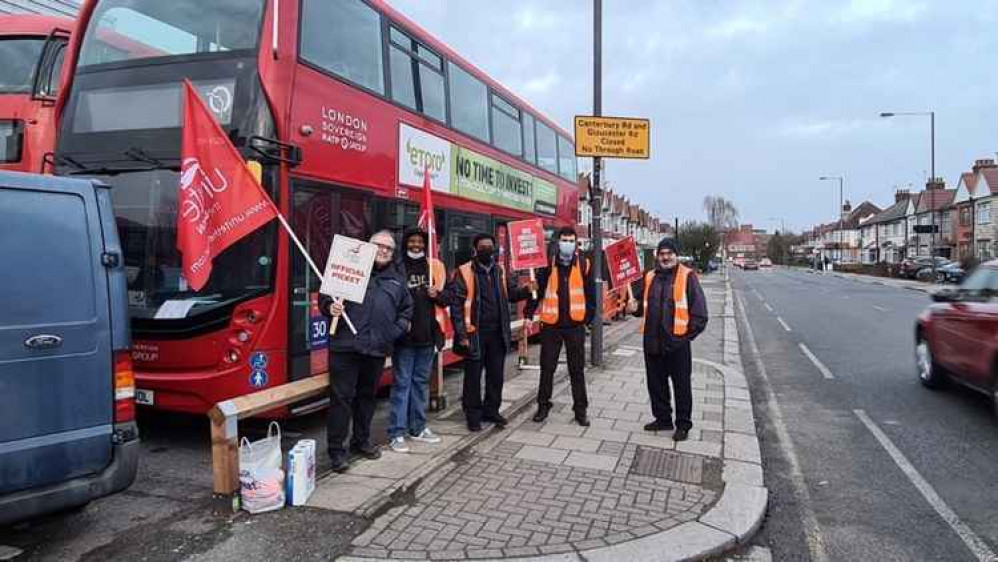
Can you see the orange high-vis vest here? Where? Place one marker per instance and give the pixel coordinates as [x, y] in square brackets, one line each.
[576, 295]
[439, 274]
[681, 316]
[469, 282]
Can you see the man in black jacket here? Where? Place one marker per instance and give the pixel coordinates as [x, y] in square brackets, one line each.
[568, 303]
[414, 354]
[357, 360]
[674, 312]
[480, 315]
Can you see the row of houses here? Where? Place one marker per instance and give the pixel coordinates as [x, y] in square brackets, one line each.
[961, 218]
[620, 219]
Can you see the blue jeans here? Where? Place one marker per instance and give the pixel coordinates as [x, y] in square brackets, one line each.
[411, 366]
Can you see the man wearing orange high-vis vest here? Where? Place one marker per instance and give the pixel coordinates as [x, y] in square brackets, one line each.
[567, 303]
[673, 313]
[481, 318]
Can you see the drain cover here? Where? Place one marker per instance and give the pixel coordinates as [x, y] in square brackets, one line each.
[691, 469]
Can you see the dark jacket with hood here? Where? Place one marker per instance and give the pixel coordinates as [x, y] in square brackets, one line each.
[381, 320]
[416, 273]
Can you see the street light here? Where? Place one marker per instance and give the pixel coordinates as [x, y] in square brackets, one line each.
[783, 234]
[932, 151]
[841, 206]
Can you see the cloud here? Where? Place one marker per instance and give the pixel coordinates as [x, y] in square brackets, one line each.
[818, 128]
[736, 27]
[541, 84]
[873, 11]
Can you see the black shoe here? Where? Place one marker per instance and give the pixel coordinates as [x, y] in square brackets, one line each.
[340, 465]
[497, 419]
[370, 452]
[474, 427]
[582, 420]
[659, 426]
[542, 413]
[681, 435]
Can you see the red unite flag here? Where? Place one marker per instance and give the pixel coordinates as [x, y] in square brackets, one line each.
[427, 217]
[220, 200]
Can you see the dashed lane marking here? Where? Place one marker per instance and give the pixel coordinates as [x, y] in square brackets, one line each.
[784, 324]
[817, 362]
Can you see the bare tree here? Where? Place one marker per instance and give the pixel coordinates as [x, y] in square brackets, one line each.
[721, 213]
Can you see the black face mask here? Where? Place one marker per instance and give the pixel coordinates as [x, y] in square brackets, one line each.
[484, 256]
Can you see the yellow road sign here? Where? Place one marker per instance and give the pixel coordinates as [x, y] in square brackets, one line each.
[612, 137]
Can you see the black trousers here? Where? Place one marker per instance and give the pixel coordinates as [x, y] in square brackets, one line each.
[575, 349]
[352, 381]
[491, 358]
[677, 365]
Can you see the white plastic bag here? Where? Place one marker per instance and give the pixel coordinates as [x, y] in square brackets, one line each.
[301, 472]
[261, 480]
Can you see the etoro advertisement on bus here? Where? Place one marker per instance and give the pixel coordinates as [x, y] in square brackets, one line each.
[466, 173]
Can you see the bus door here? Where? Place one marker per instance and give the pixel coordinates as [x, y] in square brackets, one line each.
[318, 213]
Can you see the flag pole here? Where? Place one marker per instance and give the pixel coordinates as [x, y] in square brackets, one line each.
[257, 174]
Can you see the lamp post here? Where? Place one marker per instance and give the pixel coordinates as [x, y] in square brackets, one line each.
[783, 234]
[841, 206]
[932, 166]
[596, 347]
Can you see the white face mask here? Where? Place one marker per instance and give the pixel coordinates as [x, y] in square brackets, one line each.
[415, 255]
[566, 249]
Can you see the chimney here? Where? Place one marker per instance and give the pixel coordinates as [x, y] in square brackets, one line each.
[936, 184]
[901, 195]
[983, 163]
[846, 210]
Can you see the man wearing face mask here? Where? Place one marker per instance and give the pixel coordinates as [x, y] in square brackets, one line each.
[357, 360]
[480, 315]
[413, 358]
[567, 307]
[673, 313]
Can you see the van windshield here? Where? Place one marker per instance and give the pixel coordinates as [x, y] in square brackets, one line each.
[145, 206]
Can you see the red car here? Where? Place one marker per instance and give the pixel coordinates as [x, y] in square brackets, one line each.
[956, 338]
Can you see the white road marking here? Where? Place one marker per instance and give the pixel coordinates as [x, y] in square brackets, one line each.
[784, 324]
[817, 363]
[766, 304]
[815, 542]
[977, 546]
[880, 308]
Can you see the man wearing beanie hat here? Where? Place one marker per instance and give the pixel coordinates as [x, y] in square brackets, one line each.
[673, 313]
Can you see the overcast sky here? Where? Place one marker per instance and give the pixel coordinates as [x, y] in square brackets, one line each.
[752, 100]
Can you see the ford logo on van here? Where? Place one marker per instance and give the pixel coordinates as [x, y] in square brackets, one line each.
[43, 341]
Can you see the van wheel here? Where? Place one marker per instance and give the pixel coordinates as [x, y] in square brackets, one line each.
[929, 372]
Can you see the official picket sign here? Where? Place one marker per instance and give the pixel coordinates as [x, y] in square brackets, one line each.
[526, 244]
[348, 269]
[612, 137]
[622, 260]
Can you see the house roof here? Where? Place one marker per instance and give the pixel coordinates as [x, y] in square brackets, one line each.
[936, 199]
[895, 212]
[865, 209]
[991, 179]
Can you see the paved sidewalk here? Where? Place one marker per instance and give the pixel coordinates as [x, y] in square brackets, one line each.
[608, 492]
[369, 485]
[909, 284]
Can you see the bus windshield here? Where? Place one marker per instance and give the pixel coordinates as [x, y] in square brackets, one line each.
[145, 204]
[125, 30]
[18, 59]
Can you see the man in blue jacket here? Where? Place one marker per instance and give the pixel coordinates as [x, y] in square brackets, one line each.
[357, 360]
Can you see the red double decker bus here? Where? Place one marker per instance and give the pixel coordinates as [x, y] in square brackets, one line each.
[343, 103]
[32, 49]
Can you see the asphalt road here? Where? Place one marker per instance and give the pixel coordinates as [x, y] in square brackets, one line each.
[877, 467]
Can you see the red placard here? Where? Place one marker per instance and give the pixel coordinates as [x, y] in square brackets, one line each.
[622, 259]
[526, 244]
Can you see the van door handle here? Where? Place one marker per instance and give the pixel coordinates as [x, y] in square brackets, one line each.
[43, 341]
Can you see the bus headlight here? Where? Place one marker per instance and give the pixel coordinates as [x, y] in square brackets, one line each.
[232, 356]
